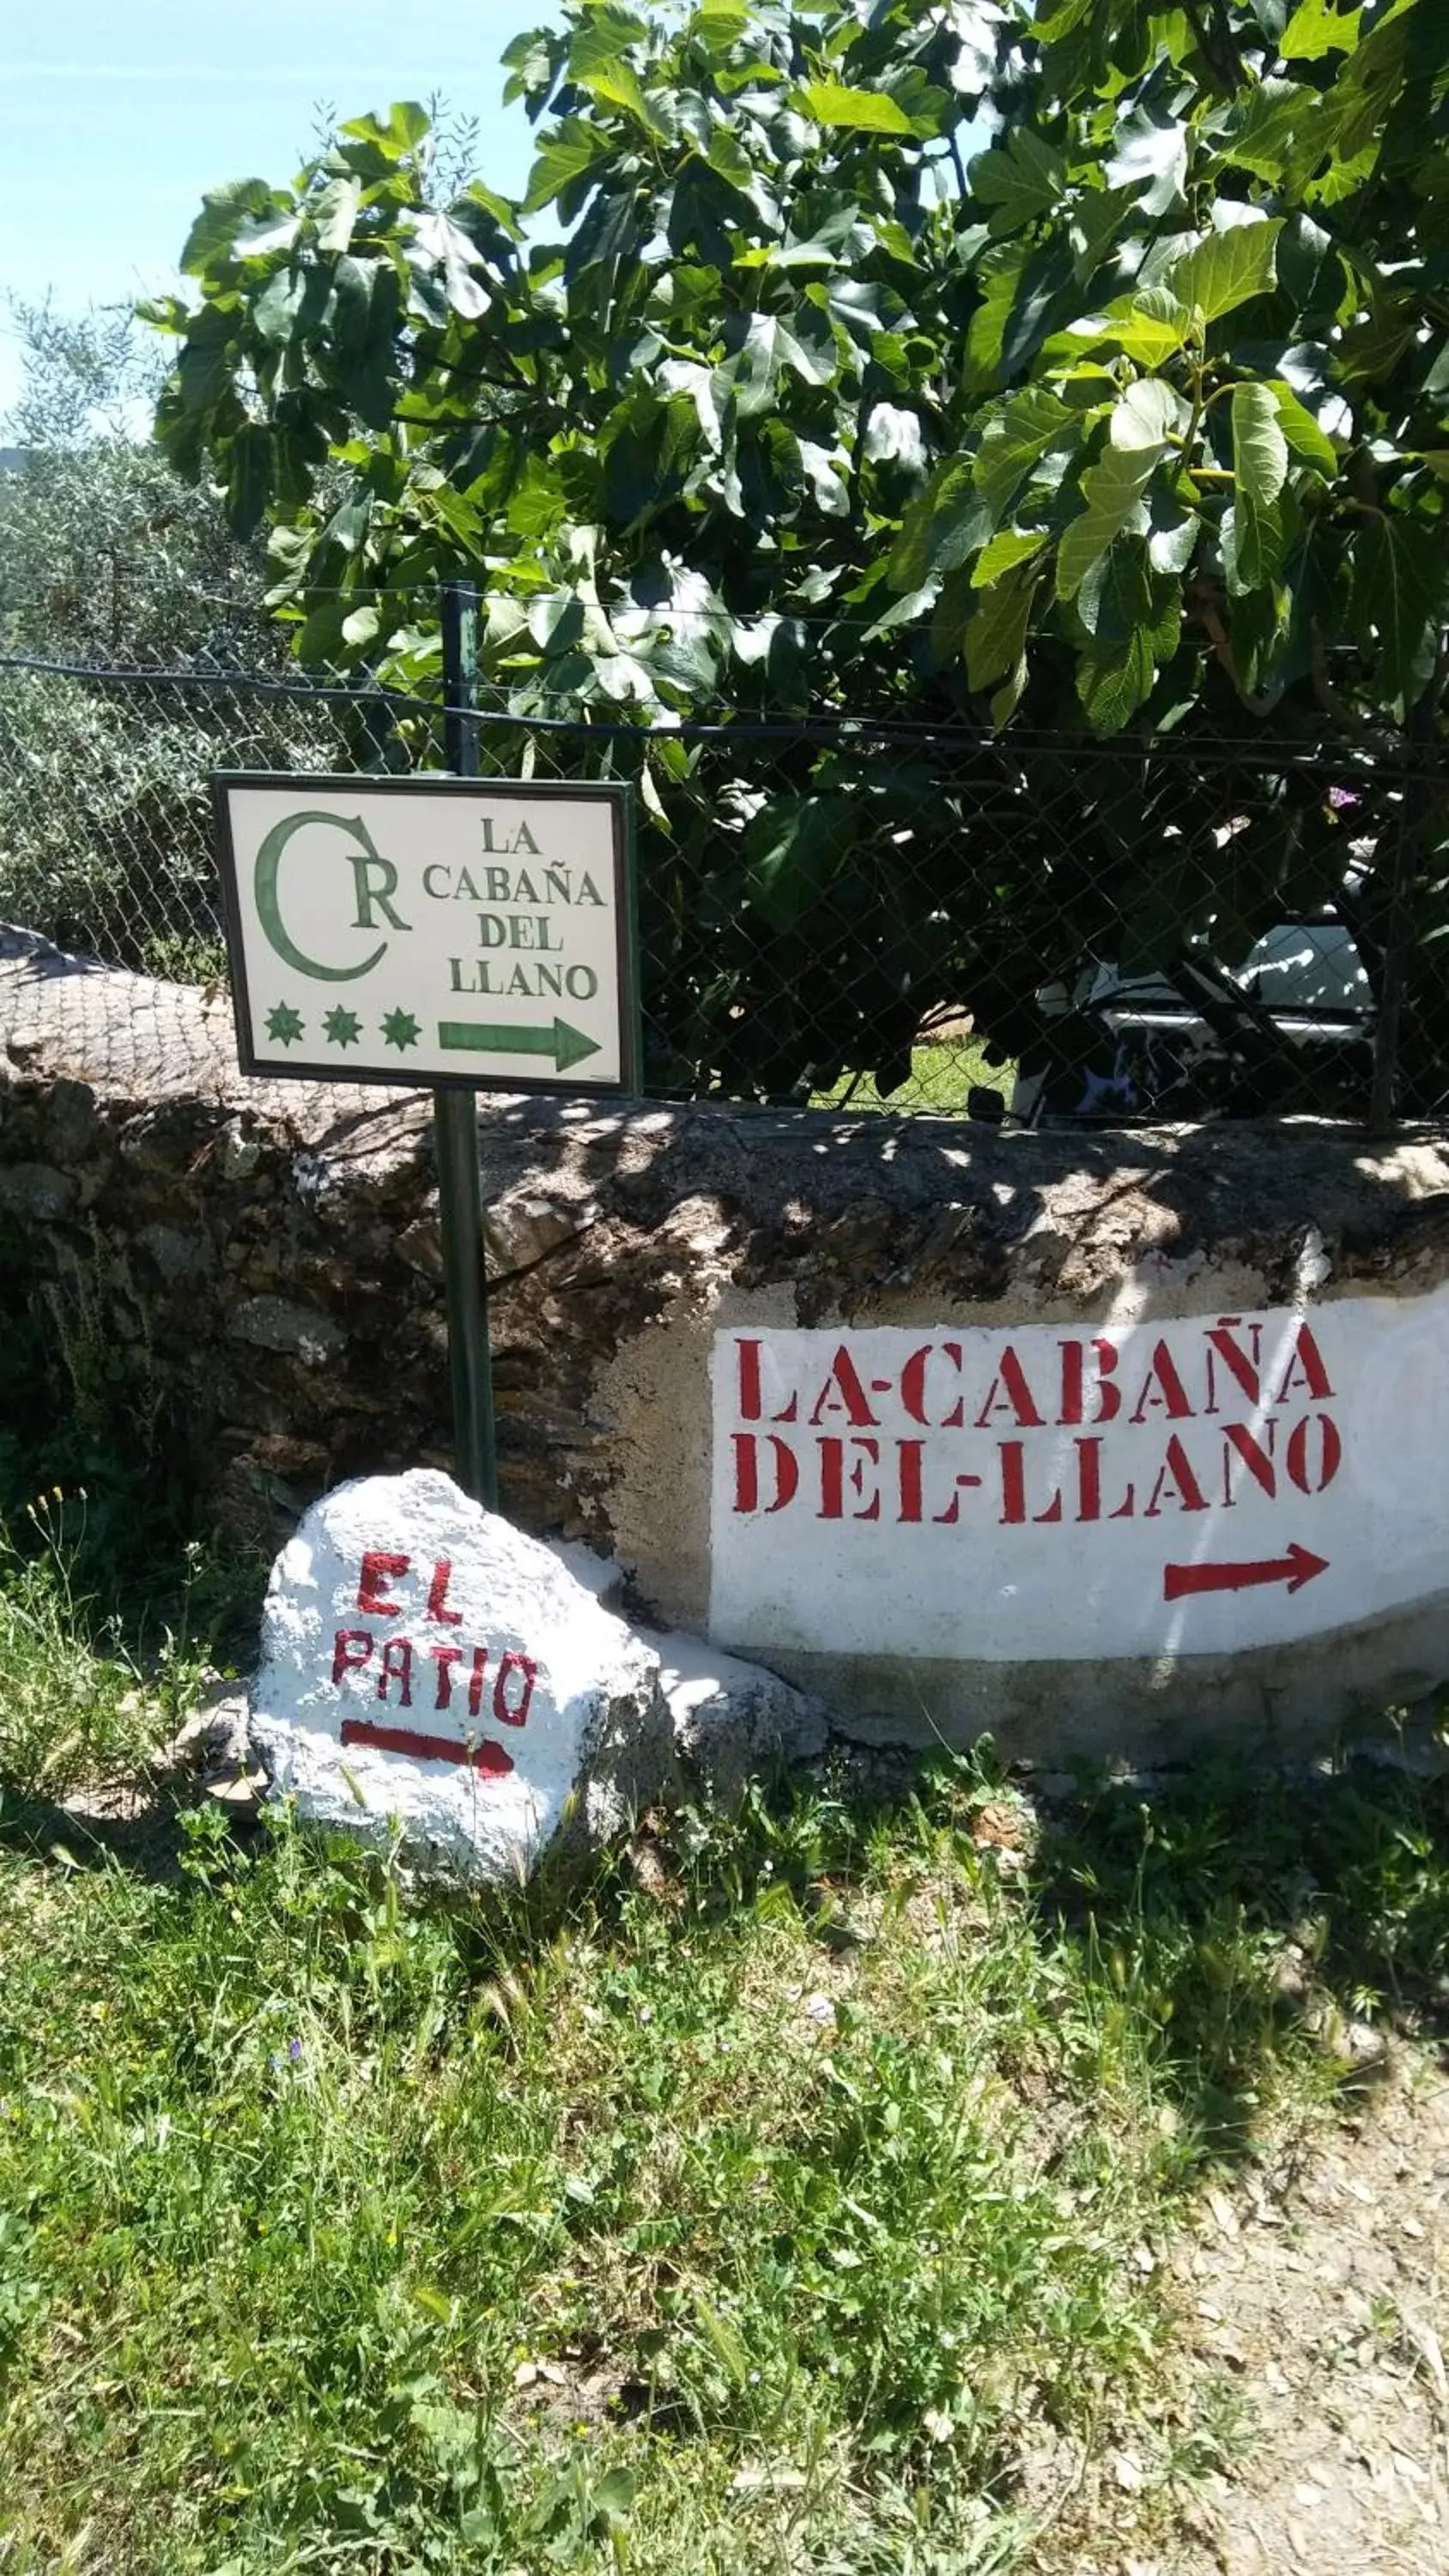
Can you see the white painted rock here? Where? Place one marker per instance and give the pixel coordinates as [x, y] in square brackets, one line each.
[427, 1666]
[598, 1574]
[733, 1720]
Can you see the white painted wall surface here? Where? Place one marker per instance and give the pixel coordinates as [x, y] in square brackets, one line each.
[1199, 1486]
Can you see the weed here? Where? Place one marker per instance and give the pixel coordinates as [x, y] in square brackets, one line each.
[85, 1422]
[311, 2168]
[811, 2221]
[70, 1716]
[1200, 1896]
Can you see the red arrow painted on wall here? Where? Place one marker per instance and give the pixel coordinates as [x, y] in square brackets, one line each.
[1295, 1569]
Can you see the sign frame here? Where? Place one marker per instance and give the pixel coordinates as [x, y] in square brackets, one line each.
[617, 795]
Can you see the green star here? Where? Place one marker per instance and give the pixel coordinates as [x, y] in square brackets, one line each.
[401, 1030]
[285, 1025]
[343, 1027]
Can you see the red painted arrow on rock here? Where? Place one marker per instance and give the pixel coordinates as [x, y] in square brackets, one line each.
[1295, 1569]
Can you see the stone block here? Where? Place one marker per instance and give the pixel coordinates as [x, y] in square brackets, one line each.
[294, 1332]
[733, 1721]
[37, 1192]
[178, 1255]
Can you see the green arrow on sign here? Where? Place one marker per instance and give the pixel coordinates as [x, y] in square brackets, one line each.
[478, 1037]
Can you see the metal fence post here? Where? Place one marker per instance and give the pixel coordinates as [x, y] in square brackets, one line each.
[1398, 939]
[455, 1122]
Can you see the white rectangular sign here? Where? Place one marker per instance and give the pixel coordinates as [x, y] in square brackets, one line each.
[431, 929]
[1057, 1491]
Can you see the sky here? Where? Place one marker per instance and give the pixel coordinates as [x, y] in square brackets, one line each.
[116, 114]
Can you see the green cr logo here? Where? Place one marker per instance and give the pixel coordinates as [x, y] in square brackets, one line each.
[374, 883]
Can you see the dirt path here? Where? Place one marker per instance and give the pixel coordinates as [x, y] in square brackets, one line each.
[1325, 2293]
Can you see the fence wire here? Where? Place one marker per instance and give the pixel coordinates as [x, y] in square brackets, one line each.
[863, 913]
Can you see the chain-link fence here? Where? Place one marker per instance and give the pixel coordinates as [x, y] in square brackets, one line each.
[866, 913]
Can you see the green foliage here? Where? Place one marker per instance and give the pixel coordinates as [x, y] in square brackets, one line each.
[1134, 417]
[107, 556]
[99, 844]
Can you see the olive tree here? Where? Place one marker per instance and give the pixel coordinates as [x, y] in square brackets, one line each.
[108, 559]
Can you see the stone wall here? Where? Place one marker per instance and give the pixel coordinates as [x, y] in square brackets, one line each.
[266, 1258]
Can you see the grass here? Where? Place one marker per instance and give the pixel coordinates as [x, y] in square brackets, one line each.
[796, 2202]
[943, 1073]
[303, 2175]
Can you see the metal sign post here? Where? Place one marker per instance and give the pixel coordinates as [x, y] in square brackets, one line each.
[455, 1125]
[471, 934]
